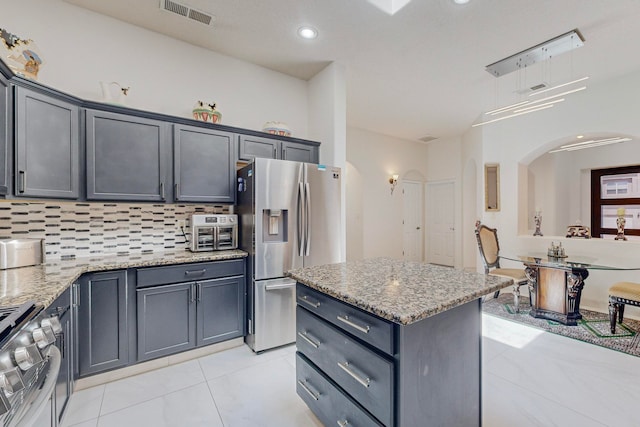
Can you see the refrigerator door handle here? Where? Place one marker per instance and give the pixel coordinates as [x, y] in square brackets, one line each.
[300, 219]
[307, 220]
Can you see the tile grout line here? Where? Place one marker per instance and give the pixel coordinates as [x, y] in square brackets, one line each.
[213, 399]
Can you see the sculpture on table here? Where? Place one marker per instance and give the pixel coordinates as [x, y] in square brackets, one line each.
[537, 219]
[620, 223]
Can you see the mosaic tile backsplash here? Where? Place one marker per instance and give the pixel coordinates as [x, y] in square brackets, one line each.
[75, 229]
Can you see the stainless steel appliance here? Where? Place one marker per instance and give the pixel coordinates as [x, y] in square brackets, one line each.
[20, 252]
[213, 232]
[29, 364]
[289, 215]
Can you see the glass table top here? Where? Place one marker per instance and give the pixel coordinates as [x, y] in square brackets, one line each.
[543, 260]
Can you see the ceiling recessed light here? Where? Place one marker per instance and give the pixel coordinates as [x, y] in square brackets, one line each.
[461, 1]
[307, 32]
[580, 136]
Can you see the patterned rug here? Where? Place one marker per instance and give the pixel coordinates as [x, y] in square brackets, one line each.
[593, 328]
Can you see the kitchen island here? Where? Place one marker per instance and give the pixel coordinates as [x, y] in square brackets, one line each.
[392, 343]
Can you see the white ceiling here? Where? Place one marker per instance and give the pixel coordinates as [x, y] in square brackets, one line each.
[419, 72]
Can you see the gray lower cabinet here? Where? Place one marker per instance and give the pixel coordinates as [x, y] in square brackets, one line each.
[250, 147]
[102, 322]
[220, 310]
[166, 320]
[181, 307]
[5, 136]
[47, 147]
[203, 165]
[61, 307]
[127, 157]
[356, 369]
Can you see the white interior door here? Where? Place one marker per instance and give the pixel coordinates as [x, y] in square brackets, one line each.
[440, 223]
[412, 220]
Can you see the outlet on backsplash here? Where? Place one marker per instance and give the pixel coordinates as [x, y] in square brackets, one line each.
[182, 224]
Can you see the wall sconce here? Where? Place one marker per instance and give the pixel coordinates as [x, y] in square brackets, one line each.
[393, 180]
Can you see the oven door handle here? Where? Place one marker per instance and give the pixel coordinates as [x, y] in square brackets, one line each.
[34, 410]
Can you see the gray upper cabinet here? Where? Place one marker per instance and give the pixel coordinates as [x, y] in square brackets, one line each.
[251, 147]
[127, 157]
[5, 135]
[203, 165]
[47, 146]
[299, 152]
[102, 322]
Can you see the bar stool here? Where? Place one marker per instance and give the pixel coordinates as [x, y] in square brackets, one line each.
[620, 294]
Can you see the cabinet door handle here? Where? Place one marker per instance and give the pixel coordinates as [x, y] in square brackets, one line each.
[176, 190]
[198, 291]
[305, 387]
[192, 294]
[195, 272]
[22, 181]
[347, 368]
[275, 155]
[343, 423]
[162, 190]
[306, 300]
[305, 336]
[345, 319]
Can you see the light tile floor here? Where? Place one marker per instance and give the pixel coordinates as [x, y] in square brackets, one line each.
[530, 378]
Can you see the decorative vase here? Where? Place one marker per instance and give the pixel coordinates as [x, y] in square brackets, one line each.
[537, 219]
[116, 96]
[22, 56]
[277, 128]
[620, 223]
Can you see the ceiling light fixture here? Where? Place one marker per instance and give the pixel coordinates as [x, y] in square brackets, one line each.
[461, 1]
[590, 144]
[538, 108]
[558, 86]
[307, 32]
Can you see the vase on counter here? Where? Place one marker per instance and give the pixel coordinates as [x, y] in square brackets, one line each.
[620, 223]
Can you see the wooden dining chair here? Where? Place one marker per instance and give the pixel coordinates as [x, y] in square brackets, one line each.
[489, 247]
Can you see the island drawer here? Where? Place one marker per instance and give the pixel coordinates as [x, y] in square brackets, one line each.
[369, 328]
[360, 371]
[178, 273]
[328, 402]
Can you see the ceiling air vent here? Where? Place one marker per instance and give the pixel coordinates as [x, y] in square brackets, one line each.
[427, 138]
[186, 11]
[533, 88]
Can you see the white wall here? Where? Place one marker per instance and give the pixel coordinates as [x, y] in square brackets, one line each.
[80, 48]
[514, 143]
[374, 158]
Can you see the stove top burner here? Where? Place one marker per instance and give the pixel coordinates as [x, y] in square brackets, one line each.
[13, 316]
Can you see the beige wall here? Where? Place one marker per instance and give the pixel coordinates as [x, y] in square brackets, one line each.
[374, 216]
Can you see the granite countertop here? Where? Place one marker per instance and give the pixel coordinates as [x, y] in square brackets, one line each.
[403, 292]
[44, 283]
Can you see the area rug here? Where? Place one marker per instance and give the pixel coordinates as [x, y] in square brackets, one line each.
[593, 328]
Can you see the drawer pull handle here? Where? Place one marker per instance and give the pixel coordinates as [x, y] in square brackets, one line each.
[343, 423]
[195, 273]
[347, 368]
[364, 329]
[315, 396]
[305, 299]
[308, 339]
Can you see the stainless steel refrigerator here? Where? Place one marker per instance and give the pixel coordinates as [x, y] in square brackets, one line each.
[289, 216]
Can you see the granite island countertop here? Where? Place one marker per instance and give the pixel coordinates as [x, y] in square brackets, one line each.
[44, 283]
[403, 292]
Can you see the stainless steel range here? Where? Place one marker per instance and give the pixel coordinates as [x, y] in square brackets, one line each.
[29, 363]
